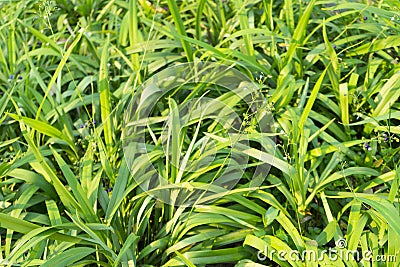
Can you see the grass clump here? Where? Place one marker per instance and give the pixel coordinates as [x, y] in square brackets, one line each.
[327, 72]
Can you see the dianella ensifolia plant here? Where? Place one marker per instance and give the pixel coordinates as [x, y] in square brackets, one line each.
[327, 71]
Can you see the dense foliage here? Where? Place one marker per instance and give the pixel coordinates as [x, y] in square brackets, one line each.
[328, 70]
